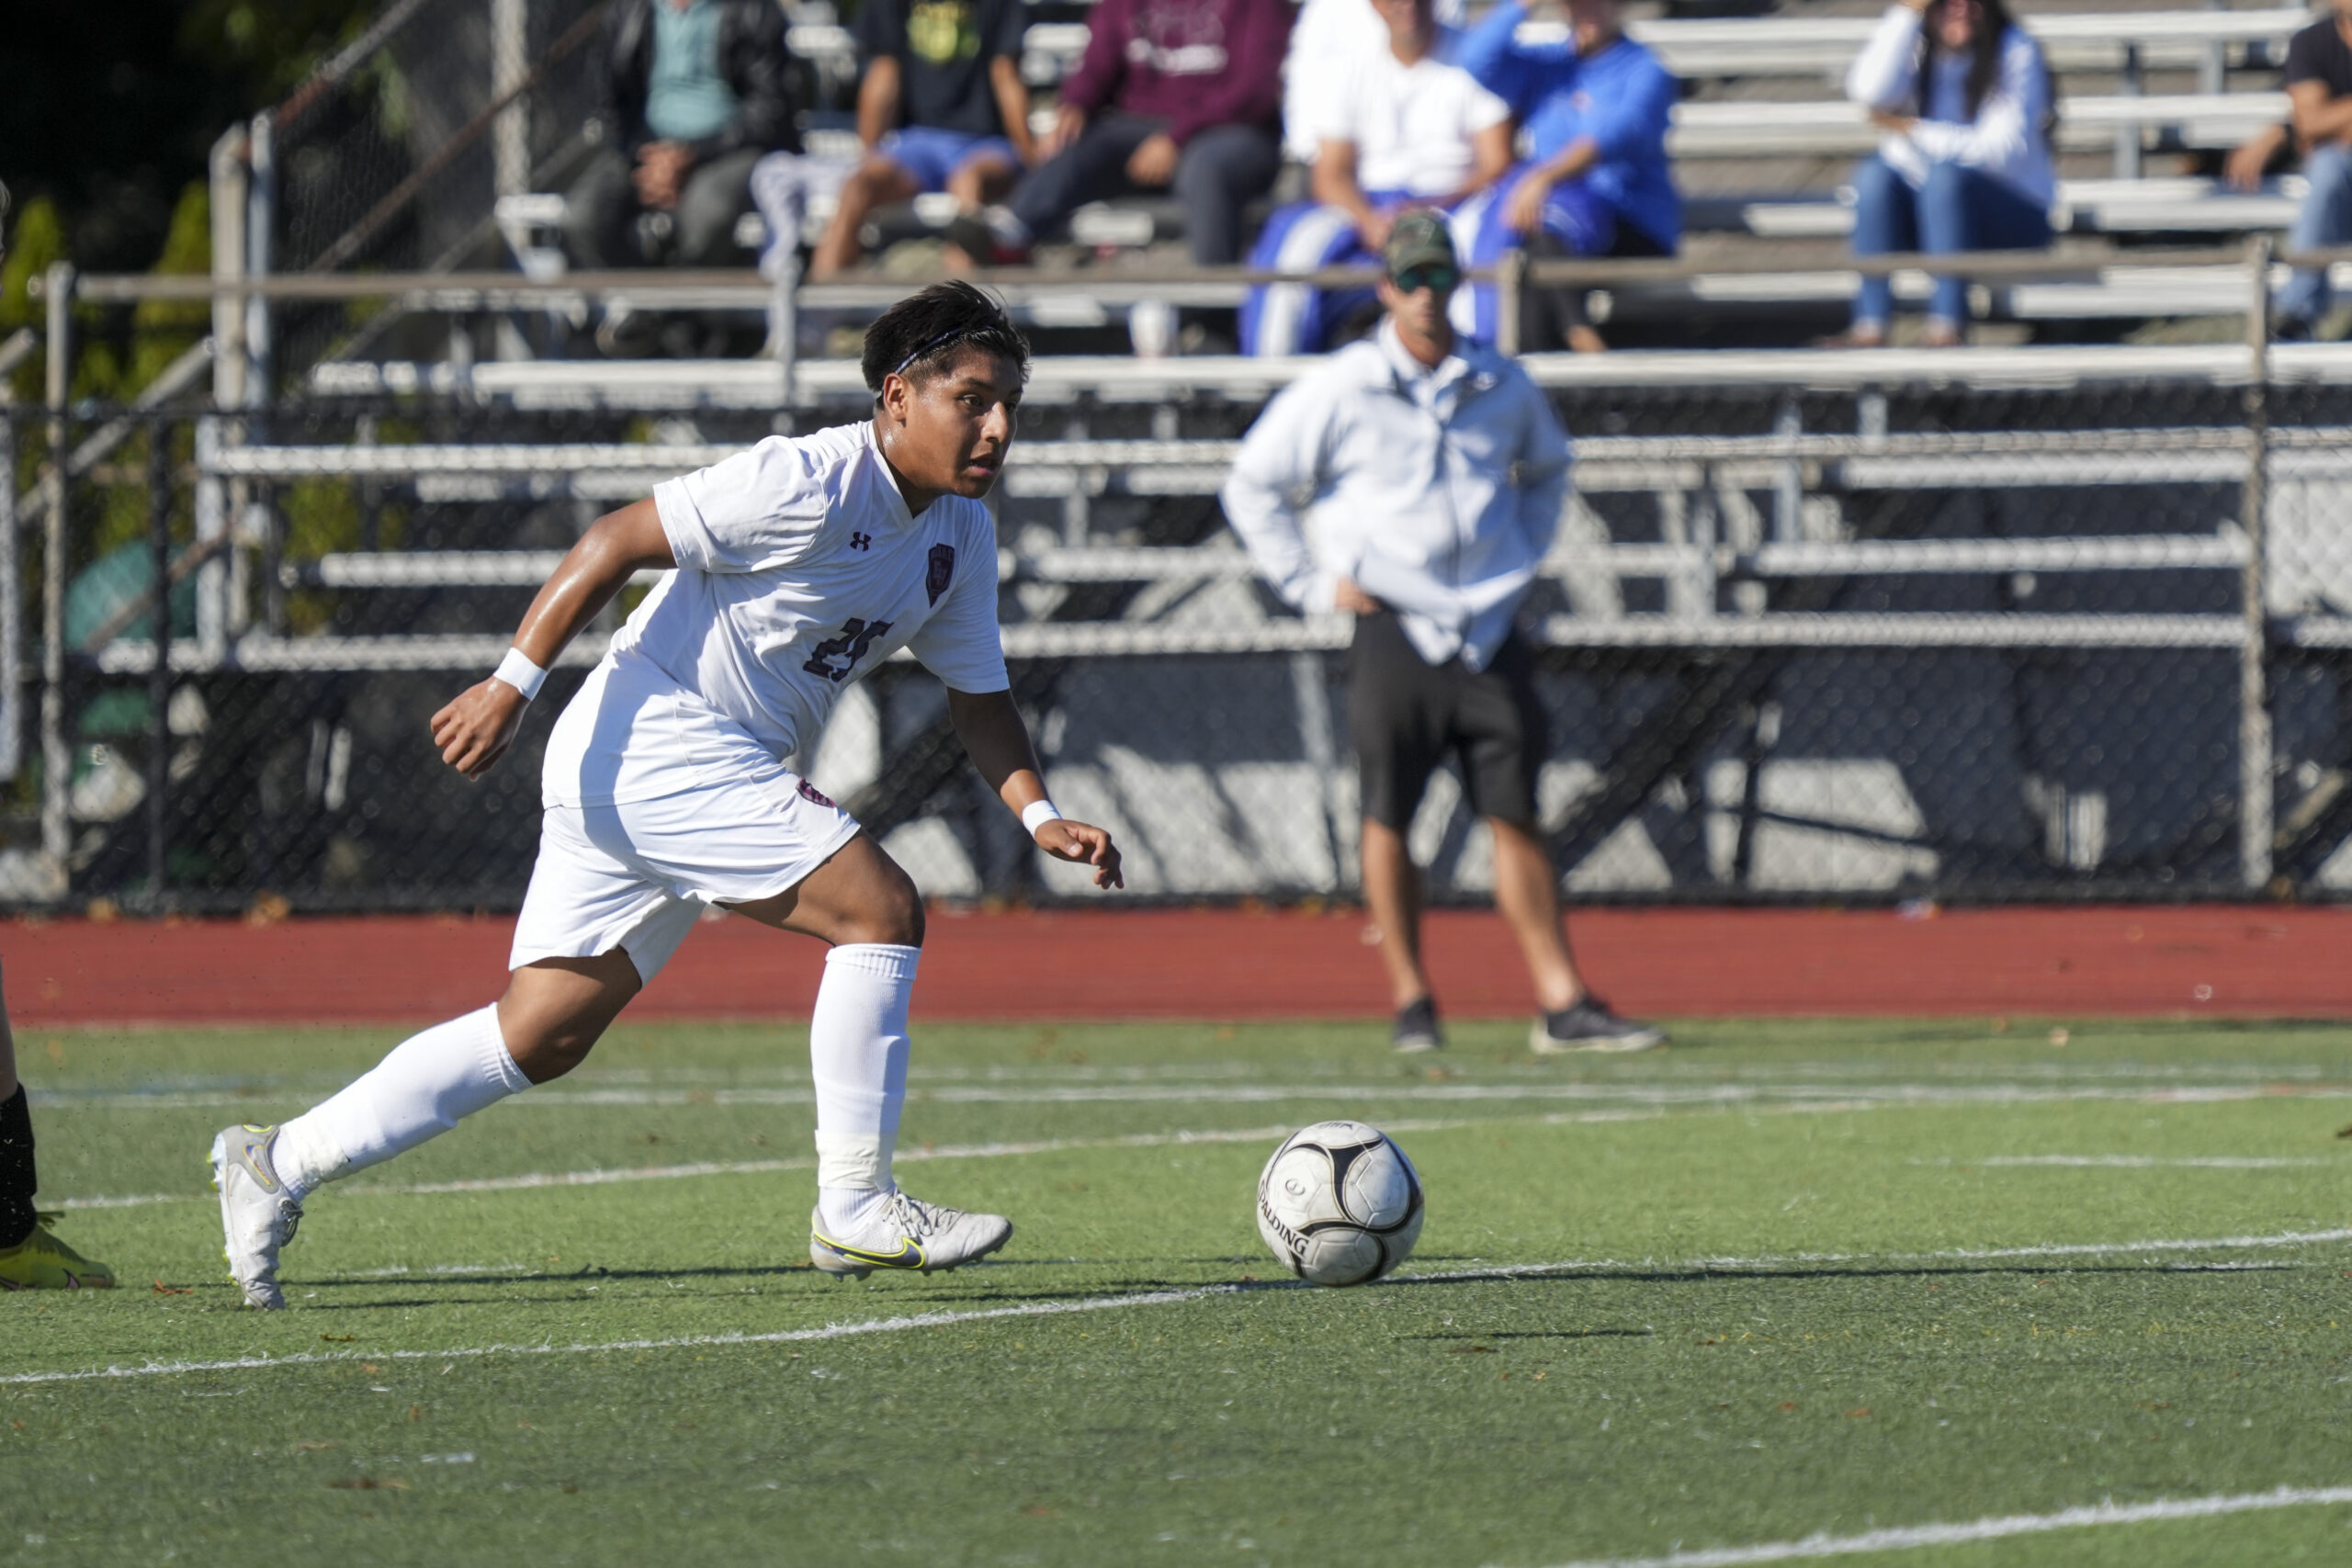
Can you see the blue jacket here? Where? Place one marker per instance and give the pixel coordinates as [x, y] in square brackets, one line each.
[1621, 98]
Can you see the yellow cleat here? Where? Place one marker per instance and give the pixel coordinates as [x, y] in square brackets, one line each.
[41, 1262]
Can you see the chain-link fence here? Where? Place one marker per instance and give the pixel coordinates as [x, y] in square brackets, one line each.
[1926, 642]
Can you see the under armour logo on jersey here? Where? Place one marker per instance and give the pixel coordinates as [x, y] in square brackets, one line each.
[861, 541]
[941, 571]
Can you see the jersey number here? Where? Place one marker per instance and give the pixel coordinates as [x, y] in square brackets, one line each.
[857, 635]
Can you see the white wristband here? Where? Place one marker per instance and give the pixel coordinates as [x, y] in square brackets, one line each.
[1037, 814]
[518, 670]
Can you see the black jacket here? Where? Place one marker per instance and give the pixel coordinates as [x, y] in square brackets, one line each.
[750, 56]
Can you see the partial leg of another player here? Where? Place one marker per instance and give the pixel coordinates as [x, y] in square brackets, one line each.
[32, 1258]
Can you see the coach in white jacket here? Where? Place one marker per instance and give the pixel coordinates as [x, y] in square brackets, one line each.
[1434, 473]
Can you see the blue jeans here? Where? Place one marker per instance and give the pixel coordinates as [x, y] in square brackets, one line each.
[2324, 219]
[1956, 209]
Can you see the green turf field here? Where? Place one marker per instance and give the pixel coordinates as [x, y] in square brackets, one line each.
[1780, 1282]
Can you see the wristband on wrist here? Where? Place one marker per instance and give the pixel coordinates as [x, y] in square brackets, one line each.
[1037, 814]
[518, 670]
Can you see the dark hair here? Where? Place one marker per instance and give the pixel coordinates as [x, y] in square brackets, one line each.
[917, 335]
[1983, 52]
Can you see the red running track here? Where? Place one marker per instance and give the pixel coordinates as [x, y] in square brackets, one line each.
[2197, 961]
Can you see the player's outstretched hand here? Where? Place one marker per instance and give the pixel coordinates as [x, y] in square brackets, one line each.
[474, 731]
[1084, 844]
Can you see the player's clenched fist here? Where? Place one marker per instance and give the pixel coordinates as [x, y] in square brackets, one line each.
[474, 731]
[1083, 844]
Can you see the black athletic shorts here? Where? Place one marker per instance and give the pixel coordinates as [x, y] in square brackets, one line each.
[1407, 715]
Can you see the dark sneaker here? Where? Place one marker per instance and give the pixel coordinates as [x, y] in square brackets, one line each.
[971, 233]
[1590, 1026]
[1417, 1028]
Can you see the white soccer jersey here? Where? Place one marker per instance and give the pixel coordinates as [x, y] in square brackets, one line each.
[799, 570]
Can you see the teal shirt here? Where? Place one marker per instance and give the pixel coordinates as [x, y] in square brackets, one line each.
[686, 99]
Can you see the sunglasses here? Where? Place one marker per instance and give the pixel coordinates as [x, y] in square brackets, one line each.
[1413, 279]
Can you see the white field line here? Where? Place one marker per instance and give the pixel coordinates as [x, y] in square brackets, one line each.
[1912, 1536]
[1164, 1298]
[784, 1336]
[1259, 1094]
[1941, 1254]
[2137, 1162]
[528, 1180]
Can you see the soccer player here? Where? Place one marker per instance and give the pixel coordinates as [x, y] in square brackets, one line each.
[30, 1258]
[794, 568]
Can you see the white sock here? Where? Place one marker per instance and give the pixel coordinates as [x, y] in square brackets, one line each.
[857, 1053]
[428, 1083]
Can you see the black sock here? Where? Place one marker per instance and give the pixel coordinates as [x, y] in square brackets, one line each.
[17, 1178]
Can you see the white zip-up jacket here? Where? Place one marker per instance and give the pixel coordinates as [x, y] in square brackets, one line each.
[1438, 491]
[2007, 139]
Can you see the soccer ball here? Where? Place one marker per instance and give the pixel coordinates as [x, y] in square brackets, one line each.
[1340, 1204]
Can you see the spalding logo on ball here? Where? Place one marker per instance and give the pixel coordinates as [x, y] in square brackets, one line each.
[1339, 1203]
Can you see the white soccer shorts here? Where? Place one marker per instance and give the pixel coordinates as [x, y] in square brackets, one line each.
[637, 877]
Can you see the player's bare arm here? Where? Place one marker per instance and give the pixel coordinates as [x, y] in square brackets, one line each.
[997, 740]
[474, 731]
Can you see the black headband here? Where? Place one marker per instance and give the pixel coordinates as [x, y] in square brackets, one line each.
[941, 341]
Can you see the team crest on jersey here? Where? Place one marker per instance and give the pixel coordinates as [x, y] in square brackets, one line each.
[941, 571]
[811, 793]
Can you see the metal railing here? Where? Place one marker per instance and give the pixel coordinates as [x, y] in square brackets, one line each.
[238, 465]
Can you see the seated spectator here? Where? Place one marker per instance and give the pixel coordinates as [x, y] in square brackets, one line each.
[1594, 115]
[692, 94]
[941, 107]
[1170, 93]
[1327, 31]
[2319, 95]
[1964, 96]
[1401, 126]
[2251, 161]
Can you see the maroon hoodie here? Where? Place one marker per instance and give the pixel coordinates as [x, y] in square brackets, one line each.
[1195, 63]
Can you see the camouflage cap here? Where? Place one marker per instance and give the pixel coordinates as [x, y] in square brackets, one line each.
[1420, 238]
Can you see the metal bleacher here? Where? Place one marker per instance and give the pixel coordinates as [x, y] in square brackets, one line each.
[374, 500]
[1763, 144]
[1774, 51]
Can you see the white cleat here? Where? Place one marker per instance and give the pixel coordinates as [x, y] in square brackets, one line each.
[256, 1217]
[900, 1232]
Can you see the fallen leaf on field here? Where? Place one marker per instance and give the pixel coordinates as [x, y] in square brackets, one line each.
[164, 1289]
[1474, 1349]
[368, 1484]
[341, 1340]
[1857, 1414]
